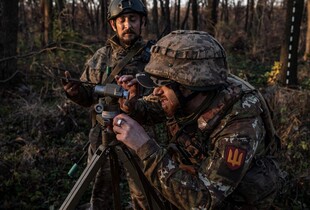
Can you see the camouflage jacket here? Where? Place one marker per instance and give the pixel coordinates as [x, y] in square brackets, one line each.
[96, 68]
[208, 159]
[96, 72]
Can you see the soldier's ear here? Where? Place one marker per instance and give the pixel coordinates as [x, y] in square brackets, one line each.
[112, 24]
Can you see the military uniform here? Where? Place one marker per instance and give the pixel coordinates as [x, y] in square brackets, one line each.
[96, 71]
[221, 155]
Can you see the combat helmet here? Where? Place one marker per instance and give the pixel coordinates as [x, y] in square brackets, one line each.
[191, 58]
[119, 7]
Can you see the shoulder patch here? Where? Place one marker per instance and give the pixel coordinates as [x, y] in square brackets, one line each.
[234, 157]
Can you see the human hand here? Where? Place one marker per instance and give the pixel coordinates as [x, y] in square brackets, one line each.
[71, 88]
[129, 83]
[129, 131]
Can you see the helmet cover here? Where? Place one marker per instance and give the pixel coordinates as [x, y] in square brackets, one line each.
[119, 7]
[191, 58]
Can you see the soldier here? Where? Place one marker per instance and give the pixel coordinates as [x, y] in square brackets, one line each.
[124, 53]
[222, 140]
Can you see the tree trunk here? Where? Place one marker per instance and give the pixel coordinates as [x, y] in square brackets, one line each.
[167, 11]
[195, 14]
[178, 14]
[307, 50]
[237, 11]
[145, 28]
[8, 38]
[259, 17]
[225, 12]
[155, 18]
[211, 16]
[247, 16]
[73, 14]
[289, 49]
[250, 19]
[60, 5]
[47, 23]
[186, 15]
[89, 14]
[162, 12]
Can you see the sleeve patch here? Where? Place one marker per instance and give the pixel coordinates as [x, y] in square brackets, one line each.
[234, 157]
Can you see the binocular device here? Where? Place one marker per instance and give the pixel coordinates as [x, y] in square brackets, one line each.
[112, 90]
[108, 106]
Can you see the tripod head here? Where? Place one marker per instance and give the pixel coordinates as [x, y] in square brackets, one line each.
[108, 106]
[106, 109]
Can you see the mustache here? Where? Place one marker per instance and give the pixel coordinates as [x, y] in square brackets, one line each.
[129, 31]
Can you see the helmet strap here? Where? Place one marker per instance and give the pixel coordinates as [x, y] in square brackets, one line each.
[182, 99]
[184, 121]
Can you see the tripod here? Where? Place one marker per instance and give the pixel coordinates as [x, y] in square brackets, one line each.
[111, 150]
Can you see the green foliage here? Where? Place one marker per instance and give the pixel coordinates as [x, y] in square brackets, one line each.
[304, 75]
[272, 76]
[248, 69]
[292, 122]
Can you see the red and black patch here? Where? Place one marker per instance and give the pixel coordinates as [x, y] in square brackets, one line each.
[234, 157]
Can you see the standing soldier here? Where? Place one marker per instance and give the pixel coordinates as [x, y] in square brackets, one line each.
[222, 140]
[124, 53]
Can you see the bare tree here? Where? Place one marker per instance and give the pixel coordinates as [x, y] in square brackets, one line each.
[47, 23]
[60, 6]
[195, 14]
[88, 9]
[186, 15]
[247, 12]
[211, 16]
[238, 9]
[225, 11]
[167, 15]
[250, 17]
[145, 32]
[307, 50]
[162, 12]
[8, 37]
[178, 11]
[73, 14]
[155, 18]
[259, 17]
[289, 49]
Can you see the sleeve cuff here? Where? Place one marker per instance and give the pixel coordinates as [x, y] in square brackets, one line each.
[147, 149]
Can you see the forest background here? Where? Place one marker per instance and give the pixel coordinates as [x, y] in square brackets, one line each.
[42, 133]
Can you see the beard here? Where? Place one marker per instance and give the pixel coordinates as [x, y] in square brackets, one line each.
[128, 37]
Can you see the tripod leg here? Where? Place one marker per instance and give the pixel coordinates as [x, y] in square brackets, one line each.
[115, 171]
[84, 180]
[154, 202]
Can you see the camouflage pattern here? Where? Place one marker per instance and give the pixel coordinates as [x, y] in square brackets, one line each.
[191, 58]
[221, 159]
[96, 68]
[119, 7]
[229, 168]
[96, 72]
